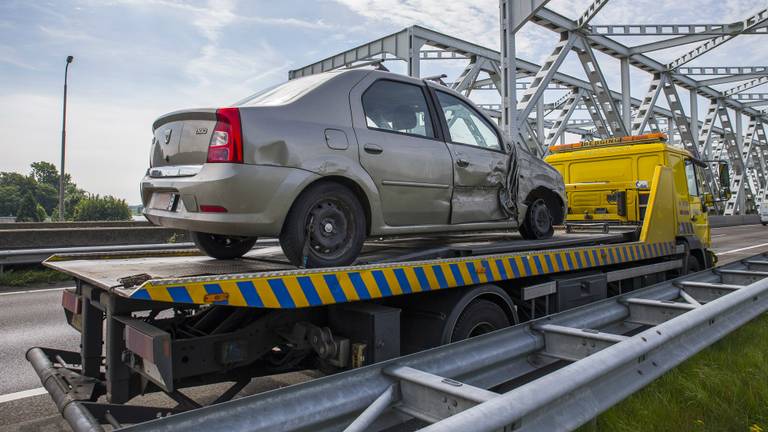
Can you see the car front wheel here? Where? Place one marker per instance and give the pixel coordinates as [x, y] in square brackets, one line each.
[538, 221]
[324, 228]
[222, 246]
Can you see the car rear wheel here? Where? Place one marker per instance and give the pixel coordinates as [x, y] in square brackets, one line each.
[538, 221]
[324, 228]
[223, 246]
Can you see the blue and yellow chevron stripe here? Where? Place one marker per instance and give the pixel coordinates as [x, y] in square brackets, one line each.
[305, 288]
[685, 228]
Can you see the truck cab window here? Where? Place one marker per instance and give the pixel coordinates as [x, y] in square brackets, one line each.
[397, 107]
[690, 175]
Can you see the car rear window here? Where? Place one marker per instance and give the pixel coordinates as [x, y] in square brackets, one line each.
[286, 92]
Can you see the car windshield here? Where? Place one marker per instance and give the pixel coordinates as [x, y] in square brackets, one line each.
[286, 92]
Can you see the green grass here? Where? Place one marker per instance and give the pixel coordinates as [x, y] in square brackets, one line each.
[19, 277]
[723, 388]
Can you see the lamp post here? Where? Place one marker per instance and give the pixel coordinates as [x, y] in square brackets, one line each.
[63, 142]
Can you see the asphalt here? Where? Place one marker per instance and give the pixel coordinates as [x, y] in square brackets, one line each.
[34, 318]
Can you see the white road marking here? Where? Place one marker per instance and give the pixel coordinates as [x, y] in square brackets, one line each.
[22, 394]
[34, 291]
[742, 249]
[719, 235]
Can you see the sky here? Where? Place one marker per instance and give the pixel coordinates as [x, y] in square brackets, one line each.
[138, 59]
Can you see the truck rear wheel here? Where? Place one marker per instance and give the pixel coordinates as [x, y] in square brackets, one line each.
[325, 227]
[538, 221]
[479, 317]
[693, 265]
[222, 246]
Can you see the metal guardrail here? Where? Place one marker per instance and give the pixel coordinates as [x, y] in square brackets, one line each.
[83, 224]
[717, 221]
[37, 256]
[72, 236]
[609, 348]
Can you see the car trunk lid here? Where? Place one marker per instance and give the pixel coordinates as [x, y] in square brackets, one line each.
[181, 139]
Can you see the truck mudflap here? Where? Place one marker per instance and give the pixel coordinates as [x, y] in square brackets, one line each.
[76, 395]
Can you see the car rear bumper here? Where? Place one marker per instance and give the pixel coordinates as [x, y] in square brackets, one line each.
[256, 198]
[764, 219]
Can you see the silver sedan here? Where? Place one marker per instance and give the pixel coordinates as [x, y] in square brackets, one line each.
[327, 160]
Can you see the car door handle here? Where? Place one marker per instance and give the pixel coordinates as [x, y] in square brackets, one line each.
[373, 149]
[462, 162]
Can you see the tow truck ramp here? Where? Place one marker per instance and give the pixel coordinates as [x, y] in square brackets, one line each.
[551, 373]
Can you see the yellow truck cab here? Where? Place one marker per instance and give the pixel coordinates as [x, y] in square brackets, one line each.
[609, 182]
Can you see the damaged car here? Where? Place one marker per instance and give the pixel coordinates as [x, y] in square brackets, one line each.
[325, 161]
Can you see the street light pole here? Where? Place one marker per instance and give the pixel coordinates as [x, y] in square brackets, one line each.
[63, 142]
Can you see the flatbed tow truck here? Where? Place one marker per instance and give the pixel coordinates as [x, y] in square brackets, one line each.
[166, 321]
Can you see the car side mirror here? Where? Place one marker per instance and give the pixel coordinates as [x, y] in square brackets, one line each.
[708, 199]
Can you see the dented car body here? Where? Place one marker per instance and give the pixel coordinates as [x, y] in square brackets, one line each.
[416, 156]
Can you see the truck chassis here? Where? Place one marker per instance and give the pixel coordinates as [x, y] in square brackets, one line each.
[165, 321]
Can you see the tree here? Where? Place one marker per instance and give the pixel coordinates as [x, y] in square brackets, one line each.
[46, 173]
[46, 177]
[41, 214]
[96, 208]
[72, 196]
[28, 210]
[43, 184]
[47, 196]
[20, 182]
[10, 200]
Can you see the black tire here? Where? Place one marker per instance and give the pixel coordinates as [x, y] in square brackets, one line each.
[693, 265]
[335, 221]
[222, 246]
[537, 224]
[764, 223]
[479, 317]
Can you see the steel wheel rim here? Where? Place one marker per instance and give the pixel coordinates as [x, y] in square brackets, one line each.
[330, 228]
[540, 217]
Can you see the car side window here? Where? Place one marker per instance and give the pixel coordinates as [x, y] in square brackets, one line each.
[397, 107]
[465, 125]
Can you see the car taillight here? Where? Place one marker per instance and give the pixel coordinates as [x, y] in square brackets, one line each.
[227, 138]
[212, 209]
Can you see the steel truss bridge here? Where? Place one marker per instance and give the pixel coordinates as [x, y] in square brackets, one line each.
[536, 103]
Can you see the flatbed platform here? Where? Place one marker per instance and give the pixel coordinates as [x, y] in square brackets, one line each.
[105, 270]
[264, 278]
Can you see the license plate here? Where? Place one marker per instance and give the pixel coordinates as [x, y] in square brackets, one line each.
[164, 201]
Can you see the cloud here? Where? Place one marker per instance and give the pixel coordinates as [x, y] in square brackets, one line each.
[217, 64]
[65, 35]
[477, 21]
[224, 75]
[216, 12]
[10, 56]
